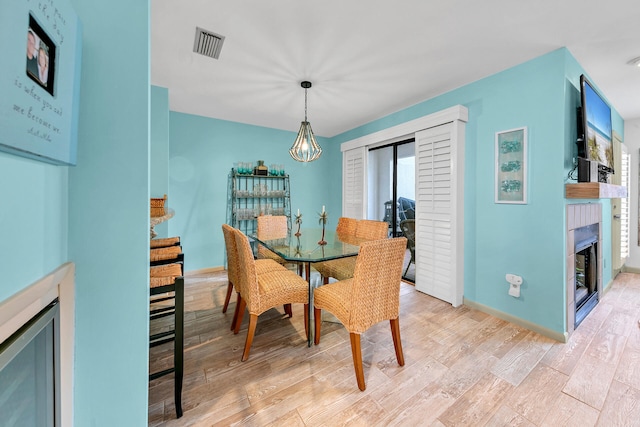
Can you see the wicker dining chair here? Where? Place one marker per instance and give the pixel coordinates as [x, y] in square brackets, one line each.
[371, 296]
[166, 283]
[260, 292]
[371, 229]
[346, 226]
[341, 269]
[262, 266]
[271, 227]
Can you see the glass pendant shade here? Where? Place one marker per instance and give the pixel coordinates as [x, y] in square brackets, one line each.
[305, 148]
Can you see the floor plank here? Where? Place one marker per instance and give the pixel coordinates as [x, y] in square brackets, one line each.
[462, 367]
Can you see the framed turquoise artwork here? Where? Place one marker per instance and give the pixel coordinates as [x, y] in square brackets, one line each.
[511, 166]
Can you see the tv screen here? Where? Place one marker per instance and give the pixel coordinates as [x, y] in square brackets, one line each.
[596, 125]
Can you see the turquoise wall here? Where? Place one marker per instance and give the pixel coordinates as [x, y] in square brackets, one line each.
[527, 240]
[33, 221]
[203, 151]
[159, 152]
[109, 216]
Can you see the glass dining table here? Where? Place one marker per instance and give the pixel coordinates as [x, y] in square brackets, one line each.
[306, 250]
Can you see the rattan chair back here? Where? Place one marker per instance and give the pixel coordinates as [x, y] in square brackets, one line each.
[232, 255]
[372, 230]
[346, 226]
[247, 276]
[376, 283]
[272, 227]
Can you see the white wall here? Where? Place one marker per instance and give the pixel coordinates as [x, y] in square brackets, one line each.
[632, 141]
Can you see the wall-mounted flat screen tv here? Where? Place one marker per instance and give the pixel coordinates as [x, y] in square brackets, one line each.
[594, 133]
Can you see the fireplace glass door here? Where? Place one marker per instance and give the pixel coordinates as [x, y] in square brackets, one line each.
[586, 271]
[29, 393]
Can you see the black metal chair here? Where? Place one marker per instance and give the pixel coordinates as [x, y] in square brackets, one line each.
[406, 208]
[408, 227]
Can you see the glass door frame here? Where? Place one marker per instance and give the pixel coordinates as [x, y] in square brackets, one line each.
[394, 181]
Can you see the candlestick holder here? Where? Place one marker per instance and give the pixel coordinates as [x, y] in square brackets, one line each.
[298, 251]
[299, 222]
[323, 221]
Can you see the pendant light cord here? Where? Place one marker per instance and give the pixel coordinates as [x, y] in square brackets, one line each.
[305, 104]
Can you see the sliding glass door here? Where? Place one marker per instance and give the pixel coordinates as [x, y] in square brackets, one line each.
[391, 189]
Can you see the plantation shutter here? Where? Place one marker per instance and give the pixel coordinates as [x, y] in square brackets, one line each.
[624, 206]
[353, 183]
[439, 212]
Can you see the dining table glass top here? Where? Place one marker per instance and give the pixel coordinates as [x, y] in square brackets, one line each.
[306, 247]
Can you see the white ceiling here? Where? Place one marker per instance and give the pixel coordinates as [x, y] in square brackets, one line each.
[367, 59]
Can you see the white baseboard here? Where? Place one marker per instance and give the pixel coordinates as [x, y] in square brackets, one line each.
[635, 270]
[204, 271]
[558, 336]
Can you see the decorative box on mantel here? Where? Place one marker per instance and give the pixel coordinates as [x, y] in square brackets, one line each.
[594, 190]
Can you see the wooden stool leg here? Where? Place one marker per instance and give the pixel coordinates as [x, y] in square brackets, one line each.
[178, 345]
[317, 318]
[356, 352]
[397, 344]
[227, 297]
[253, 320]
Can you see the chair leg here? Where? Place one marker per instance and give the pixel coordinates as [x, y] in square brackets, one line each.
[228, 297]
[241, 306]
[317, 317]
[325, 280]
[407, 269]
[397, 343]
[236, 311]
[288, 311]
[356, 352]
[253, 320]
[178, 345]
[306, 321]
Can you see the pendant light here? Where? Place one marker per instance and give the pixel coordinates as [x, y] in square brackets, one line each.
[305, 148]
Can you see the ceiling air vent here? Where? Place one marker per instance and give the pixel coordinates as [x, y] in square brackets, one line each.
[208, 43]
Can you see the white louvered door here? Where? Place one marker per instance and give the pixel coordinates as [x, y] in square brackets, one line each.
[439, 212]
[353, 183]
[624, 205]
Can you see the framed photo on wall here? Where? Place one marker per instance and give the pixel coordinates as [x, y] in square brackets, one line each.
[511, 166]
[40, 47]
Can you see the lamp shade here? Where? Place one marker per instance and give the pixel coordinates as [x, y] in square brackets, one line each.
[305, 148]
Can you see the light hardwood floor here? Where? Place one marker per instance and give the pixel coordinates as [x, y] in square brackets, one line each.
[463, 368]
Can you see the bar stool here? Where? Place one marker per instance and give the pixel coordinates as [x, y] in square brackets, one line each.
[164, 242]
[166, 283]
